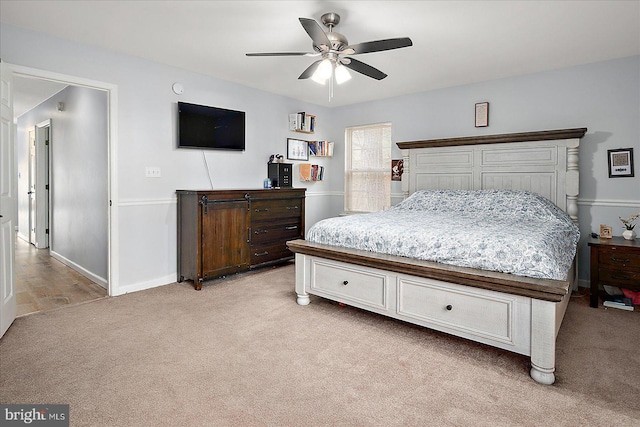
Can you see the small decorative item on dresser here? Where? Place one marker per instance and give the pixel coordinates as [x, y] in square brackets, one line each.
[606, 232]
[629, 225]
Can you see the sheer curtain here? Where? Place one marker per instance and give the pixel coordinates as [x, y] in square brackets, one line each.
[368, 168]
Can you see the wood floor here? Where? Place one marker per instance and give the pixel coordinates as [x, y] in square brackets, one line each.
[44, 283]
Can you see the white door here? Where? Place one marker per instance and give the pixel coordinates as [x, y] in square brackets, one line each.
[8, 203]
[32, 187]
[42, 185]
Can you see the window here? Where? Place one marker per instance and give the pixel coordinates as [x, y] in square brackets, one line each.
[368, 168]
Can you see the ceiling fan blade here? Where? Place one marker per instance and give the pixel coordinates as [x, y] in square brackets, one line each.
[365, 69]
[380, 45]
[310, 70]
[283, 54]
[315, 31]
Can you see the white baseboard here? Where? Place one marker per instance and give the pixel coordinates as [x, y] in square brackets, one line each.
[86, 273]
[135, 287]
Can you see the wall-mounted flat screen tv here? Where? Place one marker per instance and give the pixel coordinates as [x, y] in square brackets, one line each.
[211, 128]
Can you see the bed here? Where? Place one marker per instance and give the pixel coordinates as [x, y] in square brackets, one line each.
[513, 307]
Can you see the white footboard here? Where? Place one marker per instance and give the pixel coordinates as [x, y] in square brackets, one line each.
[516, 323]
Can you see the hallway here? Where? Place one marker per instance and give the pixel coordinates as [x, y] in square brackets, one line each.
[43, 283]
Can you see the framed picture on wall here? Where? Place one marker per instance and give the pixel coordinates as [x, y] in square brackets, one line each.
[620, 162]
[297, 149]
[482, 114]
[397, 167]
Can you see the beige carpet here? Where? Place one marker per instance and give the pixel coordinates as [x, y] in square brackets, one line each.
[241, 352]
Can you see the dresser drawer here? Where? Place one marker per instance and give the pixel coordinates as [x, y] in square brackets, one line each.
[440, 304]
[270, 210]
[280, 231]
[619, 257]
[262, 253]
[349, 284]
[621, 278]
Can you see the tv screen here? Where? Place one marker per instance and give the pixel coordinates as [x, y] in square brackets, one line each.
[213, 128]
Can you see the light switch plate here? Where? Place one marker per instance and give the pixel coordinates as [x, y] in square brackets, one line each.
[152, 172]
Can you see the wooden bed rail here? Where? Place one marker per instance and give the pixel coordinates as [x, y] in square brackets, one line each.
[542, 289]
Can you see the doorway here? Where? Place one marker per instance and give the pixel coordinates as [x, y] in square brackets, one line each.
[38, 194]
[46, 130]
[72, 125]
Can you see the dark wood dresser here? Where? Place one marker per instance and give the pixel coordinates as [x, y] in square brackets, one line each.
[614, 262]
[223, 232]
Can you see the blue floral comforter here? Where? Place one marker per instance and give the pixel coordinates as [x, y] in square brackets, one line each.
[509, 231]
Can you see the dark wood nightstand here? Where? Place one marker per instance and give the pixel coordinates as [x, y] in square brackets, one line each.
[614, 262]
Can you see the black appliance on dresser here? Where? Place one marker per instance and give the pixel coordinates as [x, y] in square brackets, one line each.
[280, 174]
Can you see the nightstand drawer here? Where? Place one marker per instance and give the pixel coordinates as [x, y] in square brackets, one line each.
[620, 278]
[620, 258]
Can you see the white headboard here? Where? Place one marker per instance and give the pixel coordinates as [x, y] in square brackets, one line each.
[544, 162]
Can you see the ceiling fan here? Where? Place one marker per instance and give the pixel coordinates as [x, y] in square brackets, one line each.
[336, 53]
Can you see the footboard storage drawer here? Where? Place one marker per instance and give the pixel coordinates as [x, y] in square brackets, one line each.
[452, 308]
[349, 284]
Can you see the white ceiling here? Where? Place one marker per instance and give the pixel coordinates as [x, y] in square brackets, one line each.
[454, 42]
[29, 93]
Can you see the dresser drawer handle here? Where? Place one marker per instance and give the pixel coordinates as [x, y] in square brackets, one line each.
[615, 276]
[261, 210]
[449, 307]
[261, 254]
[346, 282]
[292, 227]
[261, 232]
[620, 259]
[291, 207]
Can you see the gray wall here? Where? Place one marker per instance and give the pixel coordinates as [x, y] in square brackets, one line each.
[603, 97]
[78, 185]
[145, 244]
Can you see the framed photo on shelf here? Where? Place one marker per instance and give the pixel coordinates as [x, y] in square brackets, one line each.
[297, 149]
[620, 162]
[482, 114]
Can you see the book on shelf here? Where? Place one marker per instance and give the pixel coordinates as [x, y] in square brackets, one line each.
[302, 122]
[293, 121]
[321, 148]
[309, 172]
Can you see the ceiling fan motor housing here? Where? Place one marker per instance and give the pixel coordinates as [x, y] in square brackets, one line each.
[338, 41]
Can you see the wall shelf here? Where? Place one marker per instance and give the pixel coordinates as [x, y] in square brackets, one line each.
[321, 148]
[302, 122]
[309, 172]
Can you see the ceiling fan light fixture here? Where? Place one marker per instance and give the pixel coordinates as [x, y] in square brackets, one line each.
[316, 78]
[342, 74]
[325, 70]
